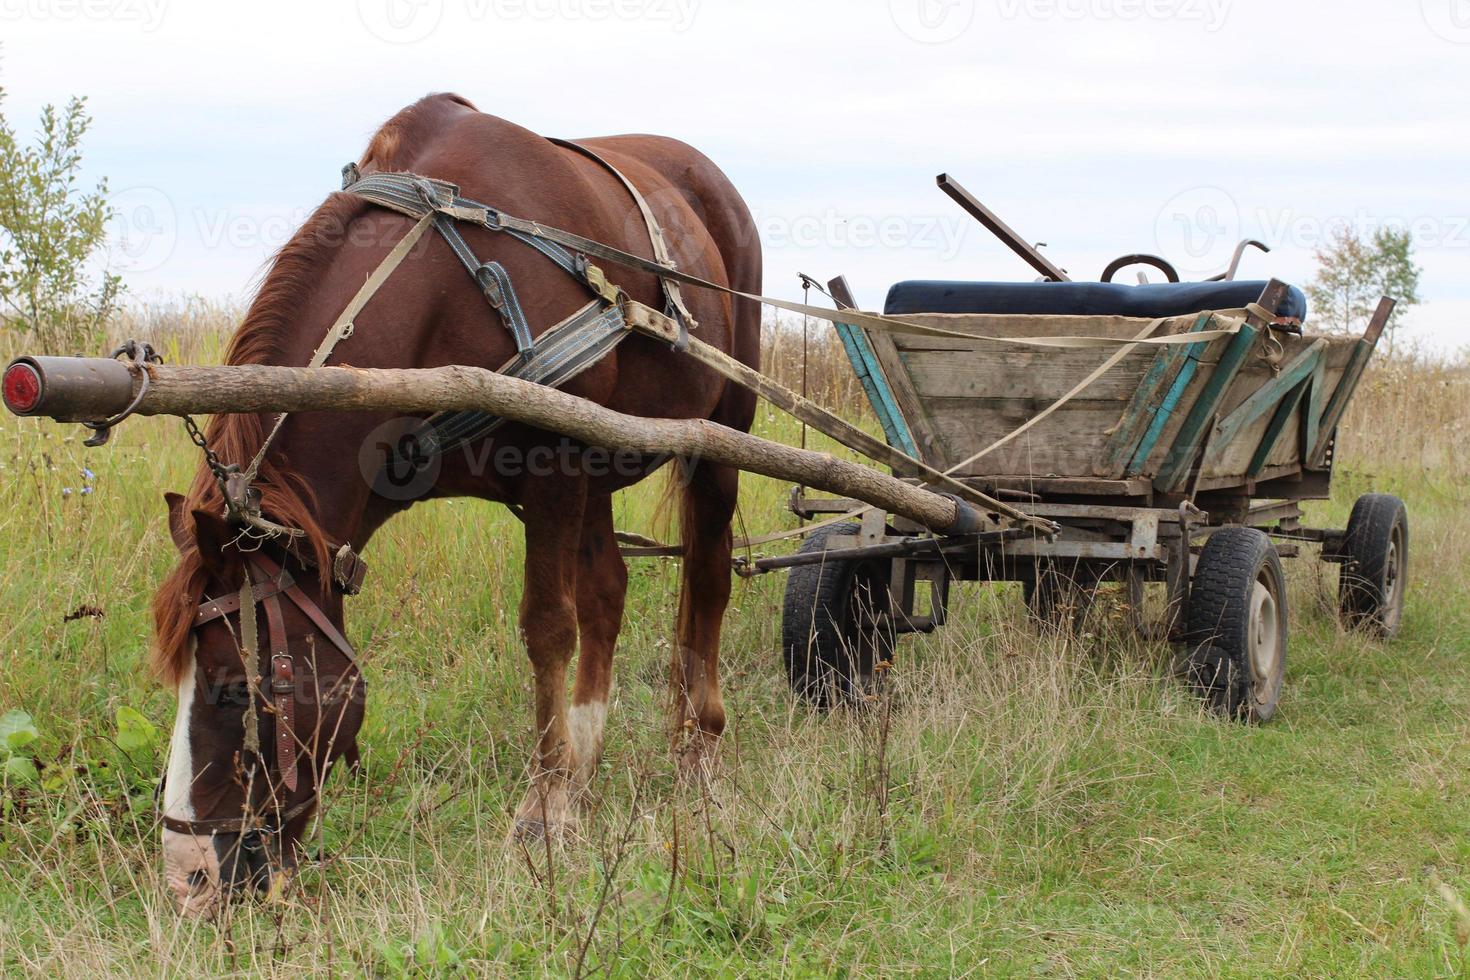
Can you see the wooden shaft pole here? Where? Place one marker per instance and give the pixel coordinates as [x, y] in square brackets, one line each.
[257, 388]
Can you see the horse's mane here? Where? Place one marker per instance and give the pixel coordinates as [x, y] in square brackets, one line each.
[268, 325]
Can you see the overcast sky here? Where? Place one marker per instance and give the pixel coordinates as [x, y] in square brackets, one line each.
[1098, 126]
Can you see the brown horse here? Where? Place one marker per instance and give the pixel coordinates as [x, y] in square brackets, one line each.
[430, 313]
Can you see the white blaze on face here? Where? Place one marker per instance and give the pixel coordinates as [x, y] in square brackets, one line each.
[585, 723]
[190, 865]
[177, 798]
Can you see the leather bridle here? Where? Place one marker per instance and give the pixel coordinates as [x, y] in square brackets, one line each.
[264, 583]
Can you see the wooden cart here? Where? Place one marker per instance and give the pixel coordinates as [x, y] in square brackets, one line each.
[1184, 464]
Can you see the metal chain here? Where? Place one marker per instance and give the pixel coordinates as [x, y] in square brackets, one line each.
[196, 436]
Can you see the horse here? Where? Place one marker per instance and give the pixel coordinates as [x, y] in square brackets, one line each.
[234, 812]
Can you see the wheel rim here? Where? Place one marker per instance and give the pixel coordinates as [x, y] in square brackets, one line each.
[1265, 638]
[1393, 578]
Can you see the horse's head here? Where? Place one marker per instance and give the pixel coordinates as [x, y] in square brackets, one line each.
[269, 697]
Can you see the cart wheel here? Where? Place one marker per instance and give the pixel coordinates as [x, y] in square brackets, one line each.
[1237, 624]
[1375, 565]
[836, 624]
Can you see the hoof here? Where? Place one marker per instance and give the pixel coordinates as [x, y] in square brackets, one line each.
[697, 758]
[545, 813]
[533, 830]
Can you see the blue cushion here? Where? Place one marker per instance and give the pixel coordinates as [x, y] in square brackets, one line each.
[1083, 298]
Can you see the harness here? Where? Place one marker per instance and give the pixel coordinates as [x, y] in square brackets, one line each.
[563, 350]
[264, 583]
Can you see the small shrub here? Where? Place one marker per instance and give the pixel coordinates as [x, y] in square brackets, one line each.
[50, 231]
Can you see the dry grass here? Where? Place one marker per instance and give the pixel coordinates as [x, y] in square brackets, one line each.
[1021, 804]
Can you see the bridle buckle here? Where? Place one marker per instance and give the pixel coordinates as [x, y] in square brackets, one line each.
[283, 674]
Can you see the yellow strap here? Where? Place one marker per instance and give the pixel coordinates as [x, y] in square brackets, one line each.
[342, 327]
[1101, 369]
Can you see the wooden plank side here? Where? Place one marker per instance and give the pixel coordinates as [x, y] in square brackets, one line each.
[1285, 410]
[1044, 375]
[1197, 357]
[910, 407]
[1062, 445]
[1290, 447]
[1287, 385]
[1115, 455]
[1024, 325]
[1186, 443]
[879, 398]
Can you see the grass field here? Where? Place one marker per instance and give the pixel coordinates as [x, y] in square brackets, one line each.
[1026, 805]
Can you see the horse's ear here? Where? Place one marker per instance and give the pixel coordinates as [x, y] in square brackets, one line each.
[178, 521]
[212, 534]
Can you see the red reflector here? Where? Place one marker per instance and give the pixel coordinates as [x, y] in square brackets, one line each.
[22, 388]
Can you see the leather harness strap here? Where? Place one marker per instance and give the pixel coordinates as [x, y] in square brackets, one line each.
[280, 694]
[674, 300]
[216, 608]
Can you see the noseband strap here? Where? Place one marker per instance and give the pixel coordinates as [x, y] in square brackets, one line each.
[242, 824]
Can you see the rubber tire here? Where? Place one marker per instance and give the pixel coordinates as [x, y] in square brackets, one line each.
[831, 638]
[1378, 528]
[1232, 562]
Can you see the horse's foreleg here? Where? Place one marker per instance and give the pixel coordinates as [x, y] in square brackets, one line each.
[602, 586]
[698, 709]
[553, 518]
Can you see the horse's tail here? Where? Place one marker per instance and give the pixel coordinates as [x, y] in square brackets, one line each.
[670, 511]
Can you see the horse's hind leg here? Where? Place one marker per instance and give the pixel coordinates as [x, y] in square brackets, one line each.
[602, 586]
[553, 519]
[698, 709]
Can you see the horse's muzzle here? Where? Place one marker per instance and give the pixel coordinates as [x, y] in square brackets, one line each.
[204, 871]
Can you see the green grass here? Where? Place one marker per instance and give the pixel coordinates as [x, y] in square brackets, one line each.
[1050, 806]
